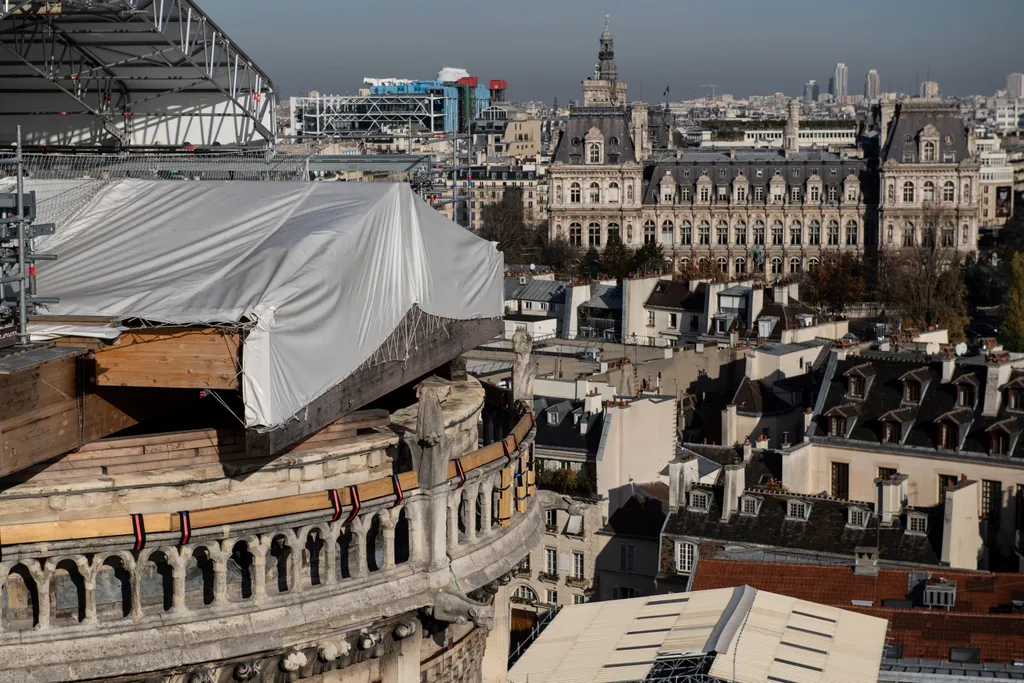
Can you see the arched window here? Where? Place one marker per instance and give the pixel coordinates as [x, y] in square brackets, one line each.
[702, 264]
[776, 266]
[928, 153]
[575, 234]
[741, 265]
[613, 227]
[794, 265]
[908, 191]
[814, 233]
[777, 231]
[704, 232]
[851, 233]
[649, 232]
[722, 232]
[685, 233]
[668, 233]
[741, 232]
[684, 264]
[833, 233]
[594, 153]
[594, 193]
[524, 594]
[796, 233]
[723, 265]
[908, 234]
[613, 193]
[948, 235]
[948, 191]
[574, 193]
[759, 232]
[812, 263]
[929, 191]
[594, 234]
[613, 142]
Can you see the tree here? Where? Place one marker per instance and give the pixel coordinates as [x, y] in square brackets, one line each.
[701, 269]
[649, 258]
[923, 285]
[835, 283]
[558, 253]
[1011, 333]
[505, 222]
[617, 259]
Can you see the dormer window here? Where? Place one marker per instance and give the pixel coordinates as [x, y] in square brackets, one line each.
[928, 151]
[553, 418]
[948, 436]
[798, 510]
[857, 518]
[1013, 399]
[891, 432]
[699, 501]
[965, 396]
[856, 387]
[594, 153]
[912, 391]
[917, 523]
[837, 426]
[750, 506]
[998, 443]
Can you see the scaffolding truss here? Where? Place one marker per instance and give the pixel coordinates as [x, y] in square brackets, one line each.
[342, 115]
[121, 73]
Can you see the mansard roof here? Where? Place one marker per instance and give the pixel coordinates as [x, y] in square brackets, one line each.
[610, 121]
[913, 116]
[885, 401]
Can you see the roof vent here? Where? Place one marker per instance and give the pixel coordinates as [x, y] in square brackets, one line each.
[522, 279]
[940, 593]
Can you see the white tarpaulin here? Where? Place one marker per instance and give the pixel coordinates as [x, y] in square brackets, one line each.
[323, 272]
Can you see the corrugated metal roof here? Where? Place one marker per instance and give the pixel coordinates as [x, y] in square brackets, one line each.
[755, 635]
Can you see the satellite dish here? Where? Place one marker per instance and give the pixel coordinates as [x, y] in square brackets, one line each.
[533, 267]
[960, 349]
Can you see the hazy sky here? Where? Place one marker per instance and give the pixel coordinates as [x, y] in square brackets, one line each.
[544, 48]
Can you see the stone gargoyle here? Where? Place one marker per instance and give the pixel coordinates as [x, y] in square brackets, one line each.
[455, 608]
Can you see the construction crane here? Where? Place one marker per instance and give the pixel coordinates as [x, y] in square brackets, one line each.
[713, 90]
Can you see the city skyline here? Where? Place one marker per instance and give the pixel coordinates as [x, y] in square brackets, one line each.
[548, 58]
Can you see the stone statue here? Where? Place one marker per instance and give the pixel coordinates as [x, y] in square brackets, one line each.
[430, 418]
[455, 608]
[524, 368]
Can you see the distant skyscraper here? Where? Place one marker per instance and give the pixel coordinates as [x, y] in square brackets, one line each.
[872, 86]
[840, 81]
[832, 86]
[929, 89]
[1015, 85]
[811, 91]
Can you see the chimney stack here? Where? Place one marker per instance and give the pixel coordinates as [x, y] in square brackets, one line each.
[735, 484]
[865, 561]
[892, 491]
[961, 540]
[948, 364]
[748, 450]
[683, 475]
[729, 425]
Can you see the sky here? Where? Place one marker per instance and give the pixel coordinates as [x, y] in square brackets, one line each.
[544, 48]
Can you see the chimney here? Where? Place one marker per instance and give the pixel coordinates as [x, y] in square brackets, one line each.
[748, 450]
[682, 476]
[794, 291]
[892, 491]
[948, 364]
[865, 561]
[781, 293]
[808, 420]
[756, 302]
[998, 374]
[735, 479]
[961, 539]
[729, 425]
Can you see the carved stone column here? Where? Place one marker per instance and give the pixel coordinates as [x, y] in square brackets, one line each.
[389, 546]
[524, 367]
[259, 572]
[453, 525]
[220, 581]
[485, 512]
[357, 566]
[431, 458]
[471, 503]
[178, 585]
[90, 600]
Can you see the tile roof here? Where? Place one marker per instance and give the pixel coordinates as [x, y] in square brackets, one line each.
[604, 297]
[912, 117]
[611, 123]
[979, 617]
[566, 434]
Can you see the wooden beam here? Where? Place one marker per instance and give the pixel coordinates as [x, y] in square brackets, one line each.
[369, 384]
[185, 358]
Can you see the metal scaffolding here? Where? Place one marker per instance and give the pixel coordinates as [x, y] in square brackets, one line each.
[123, 73]
[343, 115]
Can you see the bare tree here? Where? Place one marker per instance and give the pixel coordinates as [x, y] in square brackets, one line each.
[505, 222]
[922, 283]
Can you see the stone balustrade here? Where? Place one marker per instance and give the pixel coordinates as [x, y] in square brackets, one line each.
[306, 592]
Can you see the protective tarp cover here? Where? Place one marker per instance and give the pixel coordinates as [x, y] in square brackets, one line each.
[323, 271]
